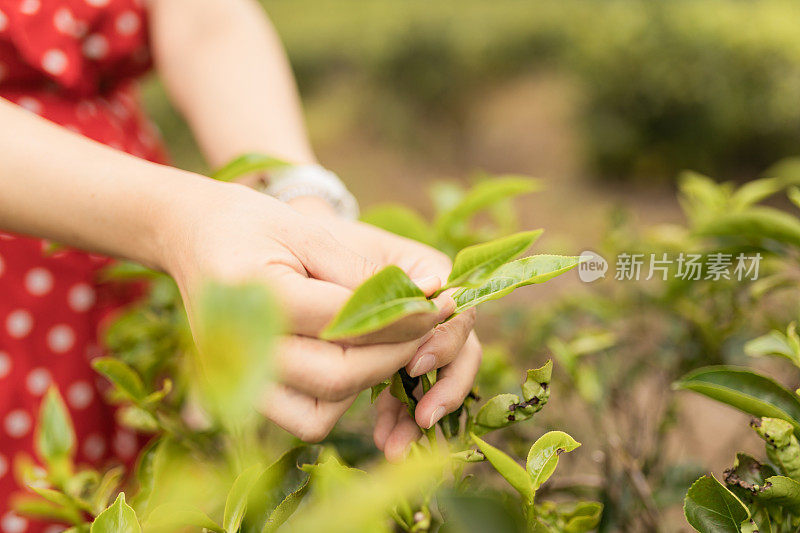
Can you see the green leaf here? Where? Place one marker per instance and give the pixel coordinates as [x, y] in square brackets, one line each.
[376, 390]
[773, 343]
[137, 419]
[754, 191]
[177, 516]
[794, 195]
[119, 518]
[482, 196]
[755, 222]
[543, 455]
[711, 508]
[400, 220]
[474, 264]
[236, 332]
[537, 383]
[279, 481]
[781, 491]
[748, 474]
[496, 413]
[126, 380]
[508, 468]
[247, 164]
[745, 390]
[55, 435]
[286, 508]
[584, 517]
[525, 271]
[380, 301]
[236, 503]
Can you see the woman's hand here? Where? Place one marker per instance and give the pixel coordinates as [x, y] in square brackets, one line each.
[240, 235]
[454, 347]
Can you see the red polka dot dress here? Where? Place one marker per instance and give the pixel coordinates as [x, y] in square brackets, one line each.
[72, 62]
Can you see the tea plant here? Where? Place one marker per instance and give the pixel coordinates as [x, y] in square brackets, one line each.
[212, 463]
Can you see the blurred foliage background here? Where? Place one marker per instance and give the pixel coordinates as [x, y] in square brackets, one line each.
[652, 87]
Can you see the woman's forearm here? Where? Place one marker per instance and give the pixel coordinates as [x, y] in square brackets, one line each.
[226, 71]
[57, 185]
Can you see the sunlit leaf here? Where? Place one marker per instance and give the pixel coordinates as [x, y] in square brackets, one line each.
[754, 191]
[497, 413]
[711, 508]
[756, 223]
[236, 503]
[474, 264]
[122, 376]
[247, 164]
[537, 383]
[519, 273]
[543, 455]
[119, 518]
[55, 436]
[175, 517]
[773, 343]
[584, 517]
[400, 220]
[780, 491]
[380, 301]
[236, 331]
[745, 390]
[508, 468]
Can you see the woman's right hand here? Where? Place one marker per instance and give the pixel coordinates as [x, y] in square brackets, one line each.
[237, 235]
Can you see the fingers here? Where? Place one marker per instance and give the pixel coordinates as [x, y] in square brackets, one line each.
[454, 383]
[327, 259]
[331, 372]
[311, 304]
[388, 408]
[307, 418]
[400, 438]
[447, 341]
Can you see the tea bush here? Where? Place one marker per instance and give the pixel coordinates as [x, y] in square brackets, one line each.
[213, 464]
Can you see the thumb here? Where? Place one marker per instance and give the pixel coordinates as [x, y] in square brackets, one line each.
[327, 259]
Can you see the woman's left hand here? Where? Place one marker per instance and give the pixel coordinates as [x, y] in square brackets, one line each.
[453, 348]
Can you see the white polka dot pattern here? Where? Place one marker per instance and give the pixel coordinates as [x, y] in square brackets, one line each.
[38, 380]
[127, 23]
[125, 444]
[5, 364]
[19, 323]
[79, 395]
[98, 3]
[30, 7]
[94, 447]
[17, 423]
[95, 47]
[13, 523]
[3, 21]
[55, 61]
[81, 297]
[3, 466]
[38, 281]
[60, 338]
[31, 104]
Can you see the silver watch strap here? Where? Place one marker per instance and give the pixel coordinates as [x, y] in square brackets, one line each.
[292, 182]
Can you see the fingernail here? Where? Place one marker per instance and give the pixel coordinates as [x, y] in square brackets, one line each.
[423, 365]
[437, 414]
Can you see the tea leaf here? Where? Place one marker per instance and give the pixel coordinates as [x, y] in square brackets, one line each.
[286, 508]
[783, 449]
[126, 380]
[474, 264]
[236, 503]
[754, 191]
[543, 455]
[55, 436]
[482, 196]
[525, 271]
[585, 517]
[756, 222]
[537, 383]
[400, 220]
[794, 195]
[376, 390]
[745, 390]
[508, 468]
[497, 413]
[380, 301]
[176, 516]
[780, 491]
[247, 164]
[119, 518]
[773, 343]
[710, 507]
